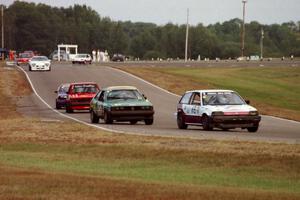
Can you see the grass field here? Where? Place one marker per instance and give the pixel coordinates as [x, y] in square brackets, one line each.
[273, 90]
[42, 159]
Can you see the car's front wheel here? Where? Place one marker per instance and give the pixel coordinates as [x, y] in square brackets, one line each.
[180, 122]
[57, 106]
[69, 109]
[107, 119]
[149, 121]
[252, 129]
[94, 118]
[206, 122]
[132, 122]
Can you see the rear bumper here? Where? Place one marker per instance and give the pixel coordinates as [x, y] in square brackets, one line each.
[235, 121]
[131, 115]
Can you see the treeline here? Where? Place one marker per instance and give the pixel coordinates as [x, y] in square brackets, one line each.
[30, 26]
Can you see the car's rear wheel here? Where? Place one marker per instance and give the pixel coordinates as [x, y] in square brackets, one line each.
[180, 122]
[206, 122]
[94, 118]
[252, 129]
[107, 119]
[149, 121]
[133, 122]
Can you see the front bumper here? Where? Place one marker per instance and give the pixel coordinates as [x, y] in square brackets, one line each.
[235, 121]
[131, 115]
[79, 104]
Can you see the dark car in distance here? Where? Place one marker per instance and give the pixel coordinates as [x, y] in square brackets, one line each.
[62, 95]
[118, 57]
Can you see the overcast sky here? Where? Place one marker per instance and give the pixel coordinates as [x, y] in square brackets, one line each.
[201, 11]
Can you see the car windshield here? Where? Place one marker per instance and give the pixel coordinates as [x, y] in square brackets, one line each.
[81, 56]
[124, 94]
[39, 58]
[64, 88]
[88, 88]
[222, 98]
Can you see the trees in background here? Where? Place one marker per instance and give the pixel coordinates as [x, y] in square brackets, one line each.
[39, 27]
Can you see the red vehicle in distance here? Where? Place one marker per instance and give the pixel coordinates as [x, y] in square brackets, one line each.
[80, 96]
[24, 58]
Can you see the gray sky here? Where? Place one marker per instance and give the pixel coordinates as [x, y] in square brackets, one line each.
[201, 11]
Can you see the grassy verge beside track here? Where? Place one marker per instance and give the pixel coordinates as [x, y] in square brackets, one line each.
[273, 90]
[42, 159]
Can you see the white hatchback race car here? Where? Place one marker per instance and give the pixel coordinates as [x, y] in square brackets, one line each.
[224, 109]
[39, 63]
[82, 59]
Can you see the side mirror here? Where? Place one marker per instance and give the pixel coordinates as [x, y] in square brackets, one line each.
[144, 96]
[247, 102]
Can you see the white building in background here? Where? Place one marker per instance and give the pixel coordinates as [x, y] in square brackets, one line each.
[70, 49]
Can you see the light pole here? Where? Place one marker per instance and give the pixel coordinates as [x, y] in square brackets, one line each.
[261, 43]
[2, 31]
[243, 29]
[187, 37]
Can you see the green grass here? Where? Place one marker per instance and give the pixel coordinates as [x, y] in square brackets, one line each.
[278, 86]
[154, 165]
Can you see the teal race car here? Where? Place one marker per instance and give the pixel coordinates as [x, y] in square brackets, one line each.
[121, 103]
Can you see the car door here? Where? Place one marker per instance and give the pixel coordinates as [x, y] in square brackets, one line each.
[184, 107]
[194, 107]
[99, 104]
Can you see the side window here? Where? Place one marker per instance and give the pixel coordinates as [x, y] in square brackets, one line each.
[186, 98]
[196, 100]
[101, 96]
[97, 95]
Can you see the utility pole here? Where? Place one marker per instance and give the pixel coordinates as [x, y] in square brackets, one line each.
[2, 30]
[243, 29]
[187, 37]
[261, 43]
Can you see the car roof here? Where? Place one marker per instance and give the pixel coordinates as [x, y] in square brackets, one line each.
[210, 90]
[120, 88]
[83, 83]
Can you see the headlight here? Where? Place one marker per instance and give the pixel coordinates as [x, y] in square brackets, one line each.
[217, 113]
[33, 64]
[253, 113]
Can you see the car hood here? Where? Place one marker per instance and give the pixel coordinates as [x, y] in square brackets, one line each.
[40, 62]
[129, 102]
[238, 109]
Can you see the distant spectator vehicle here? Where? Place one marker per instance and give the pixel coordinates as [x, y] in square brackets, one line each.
[80, 95]
[223, 109]
[23, 58]
[121, 103]
[82, 59]
[118, 57]
[39, 63]
[62, 95]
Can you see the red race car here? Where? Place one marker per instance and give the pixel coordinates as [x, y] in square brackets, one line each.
[80, 96]
[23, 58]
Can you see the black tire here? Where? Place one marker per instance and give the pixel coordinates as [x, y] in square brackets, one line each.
[94, 118]
[68, 109]
[57, 106]
[30, 68]
[180, 122]
[73, 62]
[107, 119]
[252, 129]
[206, 122]
[149, 121]
[133, 122]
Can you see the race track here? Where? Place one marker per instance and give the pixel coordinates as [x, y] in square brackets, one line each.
[45, 83]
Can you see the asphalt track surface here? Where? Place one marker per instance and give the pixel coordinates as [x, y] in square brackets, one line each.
[45, 83]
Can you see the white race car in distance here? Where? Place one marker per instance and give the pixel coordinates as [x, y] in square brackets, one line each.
[210, 109]
[82, 59]
[39, 63]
